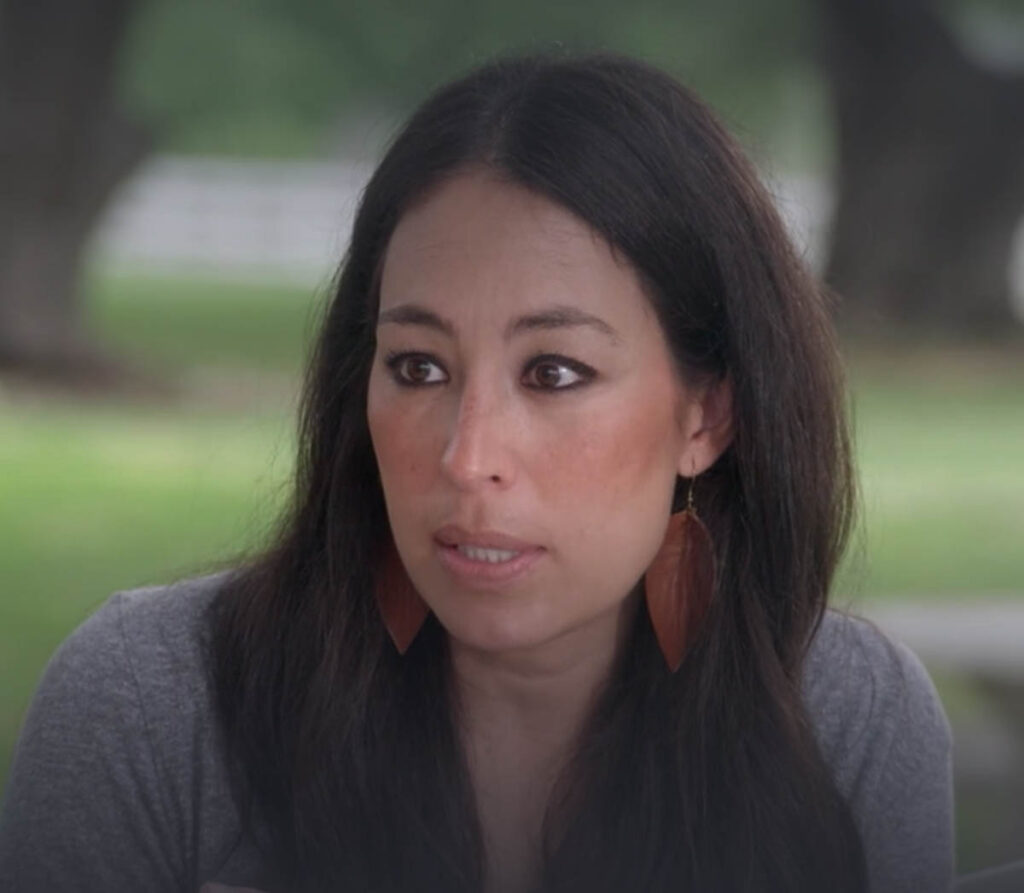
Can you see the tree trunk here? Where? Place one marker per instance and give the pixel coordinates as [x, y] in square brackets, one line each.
[63, 149]
[930, 176]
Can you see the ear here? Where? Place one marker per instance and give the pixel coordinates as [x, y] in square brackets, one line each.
[707, 426]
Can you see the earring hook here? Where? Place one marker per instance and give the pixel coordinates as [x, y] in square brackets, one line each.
[693, 481]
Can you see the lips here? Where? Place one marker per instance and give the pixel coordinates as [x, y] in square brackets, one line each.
[452, 535]
[485, 556]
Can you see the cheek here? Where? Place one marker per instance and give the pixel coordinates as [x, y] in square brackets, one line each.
[617, 458]
[611, 491]
[402, 447]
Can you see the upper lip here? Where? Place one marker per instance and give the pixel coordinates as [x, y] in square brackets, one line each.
[453, 535]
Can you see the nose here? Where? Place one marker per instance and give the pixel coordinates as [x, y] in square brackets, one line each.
[477, 452]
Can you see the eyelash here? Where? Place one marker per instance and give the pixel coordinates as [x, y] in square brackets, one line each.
[585, 373]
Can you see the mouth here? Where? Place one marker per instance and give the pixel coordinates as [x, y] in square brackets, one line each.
[486, 555]
[491, 556]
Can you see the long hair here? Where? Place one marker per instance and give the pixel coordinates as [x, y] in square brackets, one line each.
[350, 768]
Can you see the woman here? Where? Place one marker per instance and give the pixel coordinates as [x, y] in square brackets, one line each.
[548, 612]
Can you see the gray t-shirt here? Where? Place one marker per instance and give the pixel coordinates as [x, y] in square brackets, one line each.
[118, 783]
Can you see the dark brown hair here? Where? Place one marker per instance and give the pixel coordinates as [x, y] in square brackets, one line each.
[707, 779]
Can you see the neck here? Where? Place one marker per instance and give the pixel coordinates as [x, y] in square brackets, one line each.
[520, 714]
[542, 693]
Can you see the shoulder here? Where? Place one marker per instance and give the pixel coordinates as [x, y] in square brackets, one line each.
[139, 657]
[864, 692]
[884, 735]
[155, 628]
[119, 760]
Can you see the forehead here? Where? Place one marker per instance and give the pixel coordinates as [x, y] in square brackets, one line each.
[478, 242]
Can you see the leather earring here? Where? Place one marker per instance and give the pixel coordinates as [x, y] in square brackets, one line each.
[401, 607]
[680, 582]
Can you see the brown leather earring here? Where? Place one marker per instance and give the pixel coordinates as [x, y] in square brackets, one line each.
[401, 607]
[680, 582]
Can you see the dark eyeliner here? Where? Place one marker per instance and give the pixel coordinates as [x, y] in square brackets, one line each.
[586, 373]
[393, 360]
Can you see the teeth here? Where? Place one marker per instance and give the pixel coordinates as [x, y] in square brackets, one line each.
[492, 556]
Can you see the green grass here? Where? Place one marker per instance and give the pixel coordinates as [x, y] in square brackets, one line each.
[942, 471]
[105, 499]
[100, 497]
[179, 323]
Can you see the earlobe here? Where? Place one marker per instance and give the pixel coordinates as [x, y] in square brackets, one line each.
[713, 429]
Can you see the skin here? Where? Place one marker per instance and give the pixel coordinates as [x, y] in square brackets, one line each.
[567, 436]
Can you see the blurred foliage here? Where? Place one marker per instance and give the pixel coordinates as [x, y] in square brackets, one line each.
[272, 77]
[184, 323]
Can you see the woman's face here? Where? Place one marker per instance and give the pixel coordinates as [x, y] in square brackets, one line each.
[526, 416]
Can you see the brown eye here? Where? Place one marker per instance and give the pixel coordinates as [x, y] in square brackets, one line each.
[557, 374]
[415, 369]
[548, 375]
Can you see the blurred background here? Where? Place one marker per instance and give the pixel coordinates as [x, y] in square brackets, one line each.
[177, 179]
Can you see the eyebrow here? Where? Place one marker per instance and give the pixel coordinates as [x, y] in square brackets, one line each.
[557, 317]
[414, 315]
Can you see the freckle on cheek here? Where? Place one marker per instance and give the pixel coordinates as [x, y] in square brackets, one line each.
[631, 451]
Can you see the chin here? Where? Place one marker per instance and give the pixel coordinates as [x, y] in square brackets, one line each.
[498, 631]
